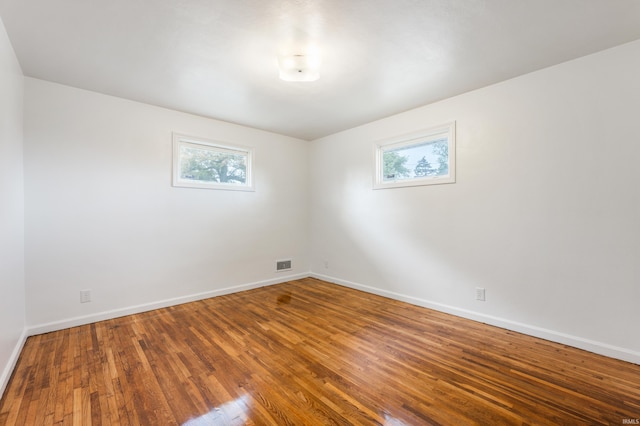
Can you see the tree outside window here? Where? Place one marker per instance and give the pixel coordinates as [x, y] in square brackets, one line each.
[423, 158]
[201, 163]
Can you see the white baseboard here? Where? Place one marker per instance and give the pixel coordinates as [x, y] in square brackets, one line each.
[11, 363]
[115, 313]
[551, 335]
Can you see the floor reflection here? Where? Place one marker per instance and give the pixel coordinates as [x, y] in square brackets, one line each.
[231, 413]
[284, 299]
[392, 421]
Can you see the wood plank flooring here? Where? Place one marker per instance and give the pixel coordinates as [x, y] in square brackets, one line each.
[305, 353]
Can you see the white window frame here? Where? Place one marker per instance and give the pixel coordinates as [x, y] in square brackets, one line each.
[180, 140]
[433, 133]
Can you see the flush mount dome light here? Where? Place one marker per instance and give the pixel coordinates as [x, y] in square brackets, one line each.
[299, 67]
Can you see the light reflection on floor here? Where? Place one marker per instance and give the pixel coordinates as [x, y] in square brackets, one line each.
[392, 421]
[236, 412]
[230, 413]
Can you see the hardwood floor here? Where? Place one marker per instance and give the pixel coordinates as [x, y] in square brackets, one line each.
[309, 352]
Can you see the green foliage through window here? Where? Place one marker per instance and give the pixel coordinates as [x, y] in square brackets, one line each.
[426, 157]
[416, 161]
[200, 163]
[394, 166]
[212, 166]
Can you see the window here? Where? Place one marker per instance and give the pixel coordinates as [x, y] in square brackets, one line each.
[200, 163]
[423, 158]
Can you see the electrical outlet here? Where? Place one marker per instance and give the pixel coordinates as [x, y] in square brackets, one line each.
[85, 296]
[480, 294]
[326, 264]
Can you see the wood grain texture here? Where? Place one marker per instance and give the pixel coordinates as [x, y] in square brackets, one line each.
[308, 352]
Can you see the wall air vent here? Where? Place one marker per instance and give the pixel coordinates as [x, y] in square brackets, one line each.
[283, 265]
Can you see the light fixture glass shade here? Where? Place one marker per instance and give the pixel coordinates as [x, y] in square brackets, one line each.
[299, 67]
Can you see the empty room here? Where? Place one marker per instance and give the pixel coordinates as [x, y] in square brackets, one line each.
[310, 212]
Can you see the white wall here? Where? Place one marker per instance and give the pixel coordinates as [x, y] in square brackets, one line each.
[101, 213]
[545, 213]
[12, 297]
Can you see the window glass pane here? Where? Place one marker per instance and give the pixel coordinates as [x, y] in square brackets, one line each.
[209, 164]
[426, 157]
[419, 160]
[212, 165]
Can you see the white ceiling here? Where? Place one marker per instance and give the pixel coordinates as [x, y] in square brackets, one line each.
[218, 58]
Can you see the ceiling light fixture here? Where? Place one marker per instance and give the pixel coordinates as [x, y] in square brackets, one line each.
[299, 67]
